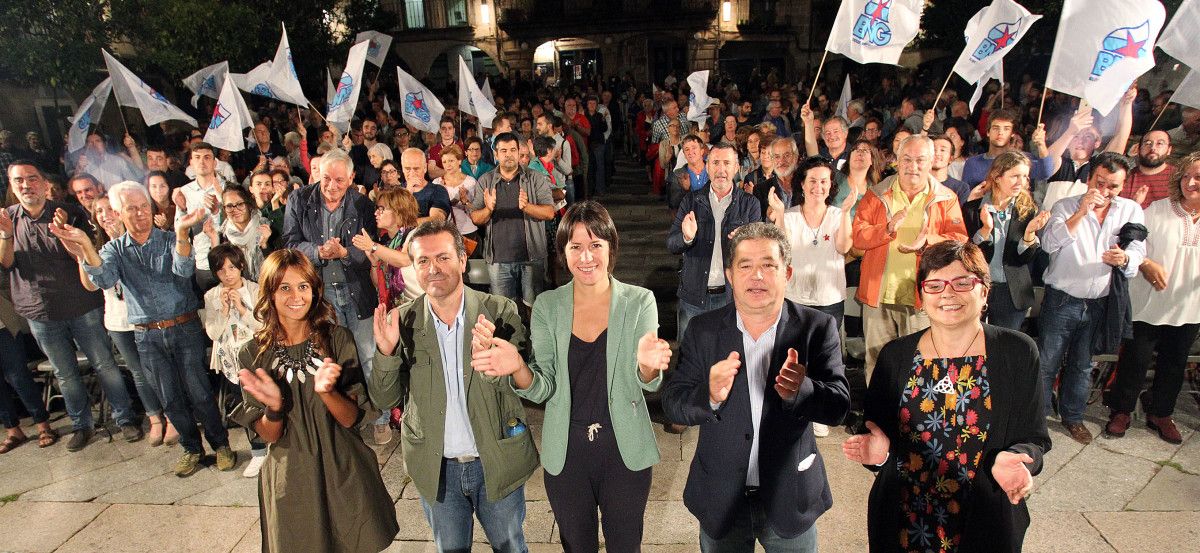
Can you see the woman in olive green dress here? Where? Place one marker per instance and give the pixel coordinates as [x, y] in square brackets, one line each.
[320, 488]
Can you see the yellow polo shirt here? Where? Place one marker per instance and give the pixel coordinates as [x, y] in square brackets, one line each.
[899, 284]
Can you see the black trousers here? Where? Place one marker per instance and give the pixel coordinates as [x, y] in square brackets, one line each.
[1172, 344]
[594, 476]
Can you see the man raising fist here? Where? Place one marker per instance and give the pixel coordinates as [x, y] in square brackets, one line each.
[752, 376]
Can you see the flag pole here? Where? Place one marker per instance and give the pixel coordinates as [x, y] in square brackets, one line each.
[1041, 106]
[812, 88]
[377, 74]
[121, 112]
[314, 108]
[1161, 112]
[939, 94]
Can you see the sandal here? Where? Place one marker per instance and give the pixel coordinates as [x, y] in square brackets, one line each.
[12, 442]
[47, 438]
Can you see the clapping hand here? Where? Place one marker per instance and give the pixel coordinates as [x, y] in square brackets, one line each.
[262, 387]
[363, 241]
[791, 375]
[775, 207]
[6, 222]
[1036, 225]
[985, 221]
[867, 449]
[720, 377]
[327, 377]
[501, 359]
[74, 240]
[482, 334]
[689, 227]
[386, 330]
[522, 200]
[653, 355]
[896, 220]
[1140, 195]
[489, 198]
[1012, 475]
[185, 223]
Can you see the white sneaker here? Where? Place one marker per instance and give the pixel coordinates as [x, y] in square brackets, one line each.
[820, 430]
[254, 466]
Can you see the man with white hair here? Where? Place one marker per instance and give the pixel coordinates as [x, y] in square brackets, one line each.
[856, 112]
[321, 221]
[154, 269]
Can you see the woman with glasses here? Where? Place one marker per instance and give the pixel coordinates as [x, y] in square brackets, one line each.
[245, 227]
[955, 422]
[391, 267]
[1004, 223]
[474, 166]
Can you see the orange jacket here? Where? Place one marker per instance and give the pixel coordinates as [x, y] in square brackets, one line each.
[942, 215]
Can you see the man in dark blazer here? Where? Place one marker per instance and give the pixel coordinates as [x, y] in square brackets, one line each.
[753, 375]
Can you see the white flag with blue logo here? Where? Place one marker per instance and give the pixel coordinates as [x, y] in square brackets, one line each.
[487, 90]
[229, 117]
[87, 115]
[282, 82]
[1102, 47]
[418, 105]
[991, 34]
[132, 91]
[875, 31]
[377, 47]
[1179, 37]
[345, 97]
[254, 81]
[996, 72]
[471, 99]
[698, 98]
[207, 81]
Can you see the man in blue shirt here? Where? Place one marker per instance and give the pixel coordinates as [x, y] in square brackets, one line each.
[155, 268]
[1000, 135]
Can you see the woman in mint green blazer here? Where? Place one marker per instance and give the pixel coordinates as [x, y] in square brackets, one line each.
[596, 352]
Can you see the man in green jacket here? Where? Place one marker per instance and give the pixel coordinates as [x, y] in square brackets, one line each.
[466, 444]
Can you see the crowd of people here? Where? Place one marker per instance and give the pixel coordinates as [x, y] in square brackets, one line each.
[319, 276]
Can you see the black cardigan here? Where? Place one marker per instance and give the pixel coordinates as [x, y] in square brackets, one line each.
[990, 522]
[1016, 265]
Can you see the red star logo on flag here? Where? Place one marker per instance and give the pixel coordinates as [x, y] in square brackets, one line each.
[879, 7]
[1131, 48]
[1005, 37]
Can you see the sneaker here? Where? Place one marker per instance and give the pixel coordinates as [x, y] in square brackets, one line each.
[79, 440]
[1118, 423]
[131, 432]
[226, 458]
[187, 465]
[1166, 429]
[254, 466]
[820, 430]
[1078, 432]
[382, 433]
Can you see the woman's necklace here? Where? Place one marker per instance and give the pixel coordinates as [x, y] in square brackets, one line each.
[964, 353]
[289, 367]
[946, 384]
[814, 230]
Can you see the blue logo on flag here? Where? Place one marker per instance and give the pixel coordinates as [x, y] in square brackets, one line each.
[209, 83]
[344, 88]
[872, 26]
[263, 89]
[291, 65]
[692, 98]
[154, 93]
[998, 38]
[220, 114]
[85, 120]
[1124, 42]
[414, 105]
[373, 48]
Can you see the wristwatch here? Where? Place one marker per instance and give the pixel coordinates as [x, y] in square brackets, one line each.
[374, 247]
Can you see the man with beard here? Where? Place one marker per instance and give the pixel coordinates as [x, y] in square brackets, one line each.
[786, 155]
[1149, 181]
[157, 160]
[999, 136]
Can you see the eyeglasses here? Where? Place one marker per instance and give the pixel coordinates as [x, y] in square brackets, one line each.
[389, 172]
[960, 284]
[238, 205]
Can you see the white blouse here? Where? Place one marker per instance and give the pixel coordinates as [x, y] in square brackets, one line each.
[1174, 242]
[818, 270]
[459, 212]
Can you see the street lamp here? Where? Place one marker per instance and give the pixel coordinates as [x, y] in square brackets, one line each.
[726, 11]
[485, 12]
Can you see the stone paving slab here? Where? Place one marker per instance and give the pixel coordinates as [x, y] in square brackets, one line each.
[1063, 532]
[1133, 532]
[1188, 456]
[93, 484]
[1169, 490]
[43, 527]
[140, 528]
[238, 492]
[166, 489]
[1095, 480]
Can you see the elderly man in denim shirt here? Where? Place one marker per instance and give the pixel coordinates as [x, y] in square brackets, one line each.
[155, 267]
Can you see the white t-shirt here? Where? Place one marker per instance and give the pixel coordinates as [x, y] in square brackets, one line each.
[1174, 242]
[458, 210]
[818, 270]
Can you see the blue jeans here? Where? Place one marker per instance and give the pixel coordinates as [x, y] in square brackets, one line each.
[1001, 311]
[143, 381]
[461, 492]
[1066, 326]
[363, 330]
[711, 301]
[175, 357]
[752, 524]
[58, 340]
[517, 281]
[17, 378]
